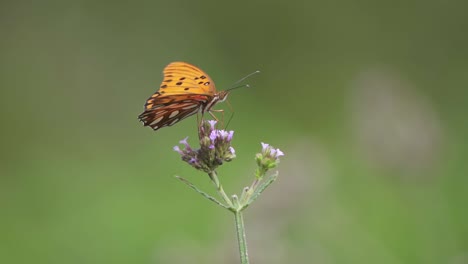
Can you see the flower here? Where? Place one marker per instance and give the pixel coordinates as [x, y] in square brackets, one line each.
[215, 148]
[267, 159]
[176, 148]
[184, 142]
[230, 135]
[188, 154]
[212, 124]
[233, 151]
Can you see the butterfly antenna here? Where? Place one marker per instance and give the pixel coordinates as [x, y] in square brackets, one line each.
[239, 86]
[241, 80]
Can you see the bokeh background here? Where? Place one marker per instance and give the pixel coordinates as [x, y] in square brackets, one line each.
[368, 99]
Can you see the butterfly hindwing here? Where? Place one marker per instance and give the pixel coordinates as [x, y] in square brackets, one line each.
[158, 114]
[168, 116]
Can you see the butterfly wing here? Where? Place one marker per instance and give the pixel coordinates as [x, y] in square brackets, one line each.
[183, 92]
[185, 78]
[171, 110]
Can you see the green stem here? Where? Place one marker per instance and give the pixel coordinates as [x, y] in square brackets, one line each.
[241, 237]
[245, 197]
[219, 188]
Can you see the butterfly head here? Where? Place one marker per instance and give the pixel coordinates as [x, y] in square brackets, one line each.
[222, 96]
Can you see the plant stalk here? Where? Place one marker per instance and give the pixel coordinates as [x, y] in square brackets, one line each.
[219, 188]
[241, 237]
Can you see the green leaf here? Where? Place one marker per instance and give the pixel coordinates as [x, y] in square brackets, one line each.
[261, 188]
[207, 196]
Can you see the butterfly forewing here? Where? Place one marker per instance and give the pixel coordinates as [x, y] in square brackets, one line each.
[184, 78]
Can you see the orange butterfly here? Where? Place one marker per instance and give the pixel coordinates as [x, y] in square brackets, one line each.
[185, 91]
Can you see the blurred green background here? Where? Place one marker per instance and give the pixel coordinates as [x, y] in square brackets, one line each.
[368, 99]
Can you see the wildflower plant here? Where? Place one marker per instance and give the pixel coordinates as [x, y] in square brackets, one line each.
[215, 150]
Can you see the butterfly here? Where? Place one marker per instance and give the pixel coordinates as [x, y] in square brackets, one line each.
[185, 90]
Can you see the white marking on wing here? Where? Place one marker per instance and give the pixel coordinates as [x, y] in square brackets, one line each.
[157, 120]
[193, 112]
[174, 121]
[176, 112]
[190, 106]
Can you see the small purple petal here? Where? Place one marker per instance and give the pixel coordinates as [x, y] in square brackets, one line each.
[213, 135]
[279, 153]
[232, 150]
[176, 148]
[212, 123]
[222, 134]
[184, 142]
[265, 146]
[229, 137]
[211, 146]
[273, 152]
[192, 160]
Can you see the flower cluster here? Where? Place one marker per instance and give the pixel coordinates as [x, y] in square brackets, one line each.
[267, 159]
[215, 148]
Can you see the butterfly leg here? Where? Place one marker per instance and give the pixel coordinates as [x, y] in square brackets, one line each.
[199, 123]
[218, 111]
[231, 109]
[230, 106]
[199, 120]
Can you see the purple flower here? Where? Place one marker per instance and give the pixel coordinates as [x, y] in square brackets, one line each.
[212, 124]
[269, 151]
[215, 148]
[176, 148]
[184, 141]
[222, 134]
[230, 135]
[279, 153]
[276, 153]
[232, 150]
[267, 159]
[213, 135]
